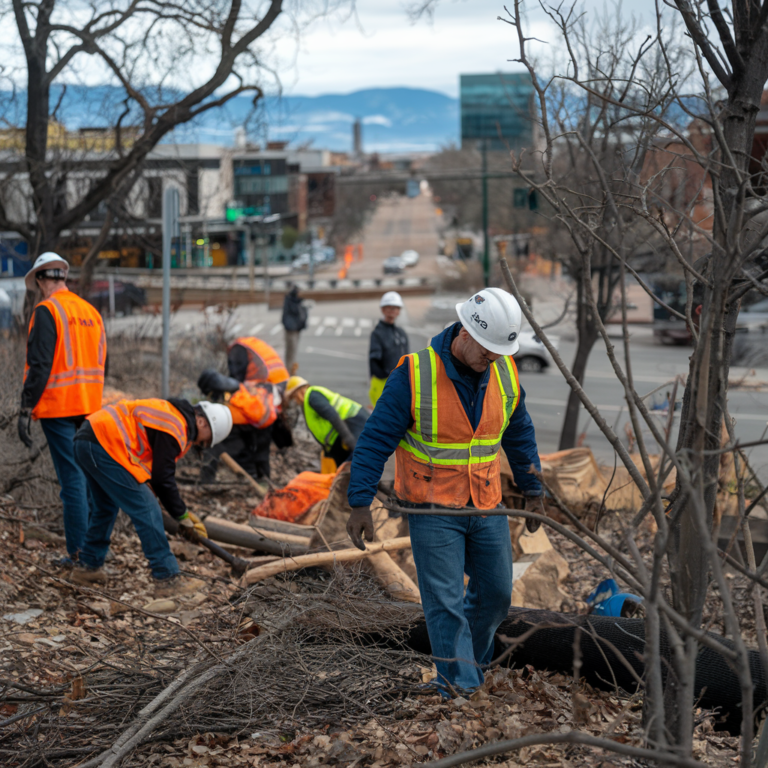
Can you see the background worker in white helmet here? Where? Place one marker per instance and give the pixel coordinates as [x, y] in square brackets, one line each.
[63, 383]
[335, 421]
[126, 448]
[445, 413]
[388, 344]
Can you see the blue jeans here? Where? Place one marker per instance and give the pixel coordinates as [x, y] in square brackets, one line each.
[60, 434]
[462, 628]
[113, 488]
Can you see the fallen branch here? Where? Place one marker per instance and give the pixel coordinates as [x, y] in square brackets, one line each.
[574, 737]
[238, 470]
[322, 558]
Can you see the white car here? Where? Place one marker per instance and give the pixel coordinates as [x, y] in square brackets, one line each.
[409, 258]
[532, 357]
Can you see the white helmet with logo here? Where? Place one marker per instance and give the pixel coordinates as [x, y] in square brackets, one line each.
[492, 318]
[220, 418]
[391, 299]
[47, 260]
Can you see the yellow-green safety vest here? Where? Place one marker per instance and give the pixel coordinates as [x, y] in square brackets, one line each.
[322, 429]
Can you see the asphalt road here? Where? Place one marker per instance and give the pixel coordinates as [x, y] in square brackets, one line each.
[333, 352]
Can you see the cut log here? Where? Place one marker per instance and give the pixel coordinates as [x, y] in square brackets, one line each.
[238, 470]
[393, 578]
[323, 558]
[280, 526]
[244, 536]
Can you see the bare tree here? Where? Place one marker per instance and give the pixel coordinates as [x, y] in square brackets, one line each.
[639, 93]
[169, 63]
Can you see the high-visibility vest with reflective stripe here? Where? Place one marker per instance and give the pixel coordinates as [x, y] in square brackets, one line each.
[322, 429]
[76, 381]
[121, 430]
[440, 460]
[257, 410]
[264, 364]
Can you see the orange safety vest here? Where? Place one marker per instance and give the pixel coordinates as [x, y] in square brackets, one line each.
[258, 410]
[76, 381]
[121, 430]
[264, 364]
[440, 460]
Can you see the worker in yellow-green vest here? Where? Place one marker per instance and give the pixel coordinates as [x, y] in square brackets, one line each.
[335, 421]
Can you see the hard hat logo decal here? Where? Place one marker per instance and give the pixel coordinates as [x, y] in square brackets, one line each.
[479, 299]
[512, 336]
[480, 321]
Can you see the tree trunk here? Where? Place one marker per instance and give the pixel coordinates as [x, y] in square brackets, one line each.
[587, 336]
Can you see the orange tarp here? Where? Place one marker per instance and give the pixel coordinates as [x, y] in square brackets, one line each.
[298, 497]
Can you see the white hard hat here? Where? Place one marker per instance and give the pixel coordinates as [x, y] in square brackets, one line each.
[391, 299]
[47, 260]
[492, 318]
[220, 418]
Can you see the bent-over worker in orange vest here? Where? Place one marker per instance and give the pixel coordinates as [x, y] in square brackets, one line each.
[446, 412]
[257, 420]
[63, 383]
[251, 359]
[125, 448]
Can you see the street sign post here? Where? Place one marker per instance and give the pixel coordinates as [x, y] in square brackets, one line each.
[170, 231]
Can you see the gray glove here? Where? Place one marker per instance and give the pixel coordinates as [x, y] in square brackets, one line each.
[360, 521]
[533, 504]
[24, 426]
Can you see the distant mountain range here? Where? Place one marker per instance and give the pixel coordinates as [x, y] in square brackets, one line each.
[394, 119]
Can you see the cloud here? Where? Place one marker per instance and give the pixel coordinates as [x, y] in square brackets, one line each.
[377, 120]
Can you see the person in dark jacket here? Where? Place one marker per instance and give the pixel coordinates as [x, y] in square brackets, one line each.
[388, 344]
[446, 413]
[294, 322]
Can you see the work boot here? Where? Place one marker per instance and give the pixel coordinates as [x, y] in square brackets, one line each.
[176, 586]
[88, 577]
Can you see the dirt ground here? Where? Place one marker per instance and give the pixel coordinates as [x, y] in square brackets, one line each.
[77, 665]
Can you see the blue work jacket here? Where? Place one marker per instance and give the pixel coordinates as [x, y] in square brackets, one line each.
[391, 419]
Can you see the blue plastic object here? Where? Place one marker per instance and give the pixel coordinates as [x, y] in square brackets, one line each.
[608, 600]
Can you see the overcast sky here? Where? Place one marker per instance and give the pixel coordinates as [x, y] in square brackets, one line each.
[382, 48]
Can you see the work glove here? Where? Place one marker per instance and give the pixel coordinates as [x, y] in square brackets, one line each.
[360, 521]
[25, 427]
[191, 527]
[348, 440]
[533, 503]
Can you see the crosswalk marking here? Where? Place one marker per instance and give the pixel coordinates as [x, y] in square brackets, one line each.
[358, 331]
[314, 320]
[364, 322]
[255, 330]
[276, 329]
[329, 321]
[357, 325]
[339, 330]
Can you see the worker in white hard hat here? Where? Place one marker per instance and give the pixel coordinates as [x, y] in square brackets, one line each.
[63, 383]
[128, 452]
[446, 412]
[388, 344]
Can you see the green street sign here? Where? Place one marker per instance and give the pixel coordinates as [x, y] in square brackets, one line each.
[233, 214]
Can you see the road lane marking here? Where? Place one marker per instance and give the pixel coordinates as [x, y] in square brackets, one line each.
[332, 353]
[255, 330]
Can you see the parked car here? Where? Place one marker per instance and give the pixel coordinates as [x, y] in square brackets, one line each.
[128, 297]
[754, 314]
[532, 357]
[394, 265]
[410, 258]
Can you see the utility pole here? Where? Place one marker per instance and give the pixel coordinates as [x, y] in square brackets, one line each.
[486, 253]
[170, 230]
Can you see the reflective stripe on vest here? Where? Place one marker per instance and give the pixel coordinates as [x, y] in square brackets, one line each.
[420, 439]
[441, 459]
[262, 356]
[258, 410]
[121, 430]
[76, 381]
[322, 429]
